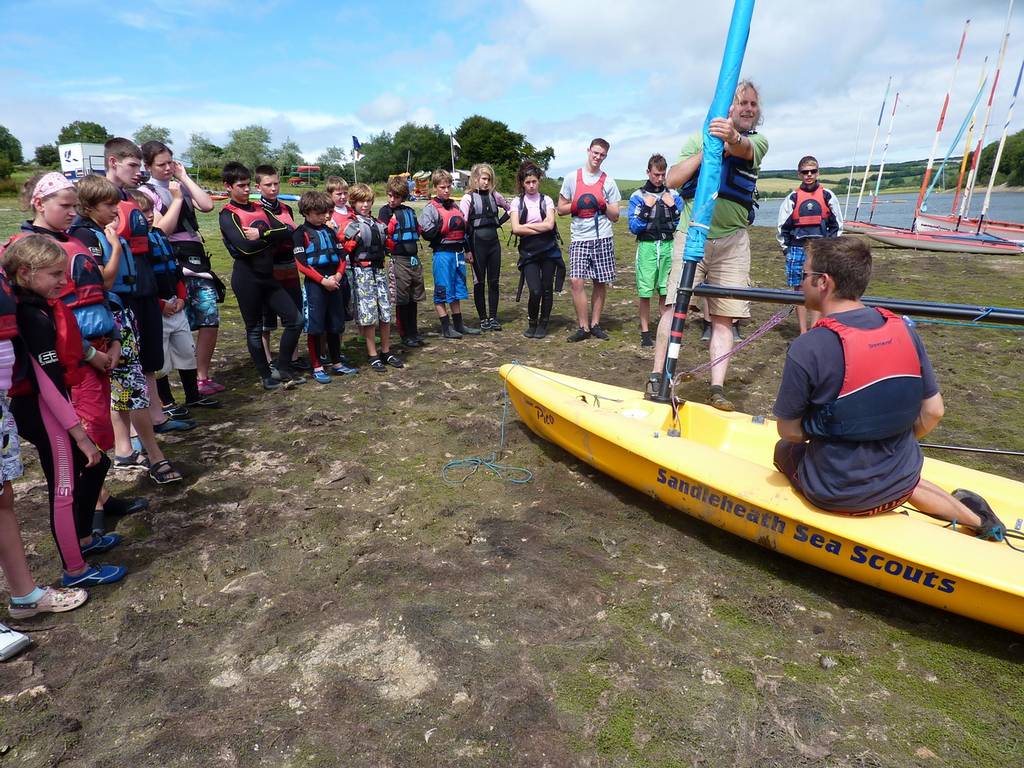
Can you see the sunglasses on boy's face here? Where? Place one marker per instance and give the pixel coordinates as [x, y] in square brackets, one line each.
[808, 172]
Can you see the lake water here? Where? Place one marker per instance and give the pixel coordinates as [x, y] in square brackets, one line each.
[898, 209]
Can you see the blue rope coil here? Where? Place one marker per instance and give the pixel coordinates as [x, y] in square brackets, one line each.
[472, 464]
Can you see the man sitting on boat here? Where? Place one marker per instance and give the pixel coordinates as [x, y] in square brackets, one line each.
[857, 392]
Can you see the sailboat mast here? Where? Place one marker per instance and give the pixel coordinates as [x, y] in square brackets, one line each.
[999, 151]
[938, 128]
[885, 150]
[871, 152]
[972, 179]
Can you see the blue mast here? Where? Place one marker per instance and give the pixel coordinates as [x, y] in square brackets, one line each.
[707, 185]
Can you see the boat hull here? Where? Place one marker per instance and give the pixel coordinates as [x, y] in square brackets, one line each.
[719, 470]
[946, 243]
[1008, 230]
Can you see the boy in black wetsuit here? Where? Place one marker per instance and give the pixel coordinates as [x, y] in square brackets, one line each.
[250, 234]
[268, 182]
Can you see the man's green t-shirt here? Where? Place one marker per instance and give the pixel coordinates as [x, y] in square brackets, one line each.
[729, 217]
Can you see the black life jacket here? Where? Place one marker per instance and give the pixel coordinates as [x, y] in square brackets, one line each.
[882, 388]
[187, 221]
[284, 261]
[531, 246]
[664, 220]
[67, 345]
[368, 235]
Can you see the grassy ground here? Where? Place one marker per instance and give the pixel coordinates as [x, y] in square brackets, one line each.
[314, 595]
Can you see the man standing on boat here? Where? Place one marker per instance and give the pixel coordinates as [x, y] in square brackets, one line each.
[727, 250]
[808, 213]
[857, 393]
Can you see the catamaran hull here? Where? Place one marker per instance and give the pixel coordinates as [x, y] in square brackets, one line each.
[720, 471]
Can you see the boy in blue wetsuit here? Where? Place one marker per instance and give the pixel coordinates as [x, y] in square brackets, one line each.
[444, 227]
[320, 258]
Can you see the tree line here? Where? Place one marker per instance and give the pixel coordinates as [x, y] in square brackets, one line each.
[411, 146]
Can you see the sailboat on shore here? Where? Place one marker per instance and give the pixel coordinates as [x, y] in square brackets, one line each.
[948, 234]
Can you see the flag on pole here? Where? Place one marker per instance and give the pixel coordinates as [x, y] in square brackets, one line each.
[355, 149]
[455, 143]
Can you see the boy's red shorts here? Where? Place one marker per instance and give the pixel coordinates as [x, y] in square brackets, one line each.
[91, 399]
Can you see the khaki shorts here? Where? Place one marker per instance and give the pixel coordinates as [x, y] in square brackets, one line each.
[726, 262]
[179, 349]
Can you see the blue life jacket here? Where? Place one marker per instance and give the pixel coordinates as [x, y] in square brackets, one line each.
[321, 251]
[164, 264]
[882, 387]
[738, 183]
[127, 278]
[404, 236]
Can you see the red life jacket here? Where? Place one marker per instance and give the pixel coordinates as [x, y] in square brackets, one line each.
[8, 310]
[132, 226]
[452, 231]
[588, 199]
[89, 288]
[882, 387]
[86, 291]
[285, 216]
[342, 220]
[810, 209]
[255, 216]
[68, 345]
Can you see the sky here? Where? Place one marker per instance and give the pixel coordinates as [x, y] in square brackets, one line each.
[559, 71]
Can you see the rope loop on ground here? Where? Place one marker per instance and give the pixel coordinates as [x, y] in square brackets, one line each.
[472, 464]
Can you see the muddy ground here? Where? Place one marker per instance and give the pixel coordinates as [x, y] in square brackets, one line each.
[315, 595]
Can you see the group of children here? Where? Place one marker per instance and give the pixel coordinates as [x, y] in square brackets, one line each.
[102, 289]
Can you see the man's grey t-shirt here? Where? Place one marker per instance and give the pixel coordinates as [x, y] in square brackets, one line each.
[584, 229]
[841, 474]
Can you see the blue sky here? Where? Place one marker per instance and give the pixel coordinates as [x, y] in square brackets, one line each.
[560, 71]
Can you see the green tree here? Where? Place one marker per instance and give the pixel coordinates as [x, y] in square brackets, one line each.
[287, 155]
[205, 156]
[1011, 164]
[83, 130]
[249, 145]
[10, 147]
[491, 141]
[428, 147]
[47, 156]
[150, 132]
[332, 161]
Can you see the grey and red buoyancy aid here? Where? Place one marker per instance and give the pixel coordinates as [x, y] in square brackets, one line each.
[364, 240]
[451, 231]
[484, 218]
[811, 213]
[882, 386]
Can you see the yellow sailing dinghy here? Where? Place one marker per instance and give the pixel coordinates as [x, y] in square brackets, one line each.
[717, 467]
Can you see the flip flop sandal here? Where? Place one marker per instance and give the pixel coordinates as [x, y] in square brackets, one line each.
[163, 472]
